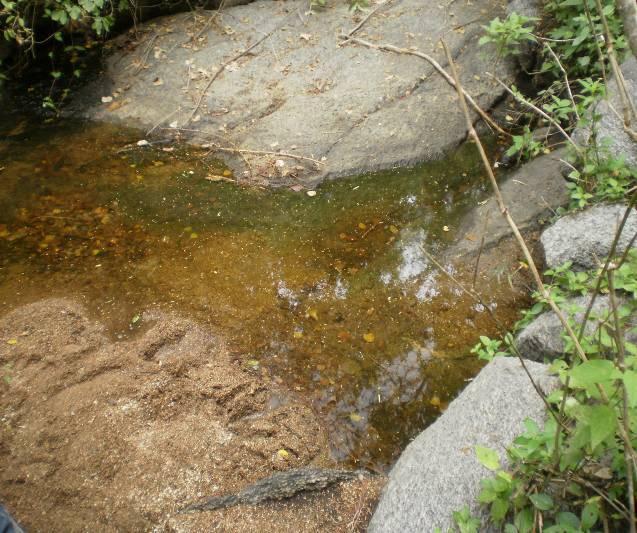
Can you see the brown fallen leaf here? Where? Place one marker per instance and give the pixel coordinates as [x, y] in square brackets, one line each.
[216, 178]
[115, 105]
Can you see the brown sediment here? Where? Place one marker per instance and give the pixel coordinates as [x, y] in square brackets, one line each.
[100, 435]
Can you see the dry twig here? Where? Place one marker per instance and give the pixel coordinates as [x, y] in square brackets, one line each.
[433, 63]
[566, 82]
[223, 67]
[366, 18]
[544, 115]
[219, 148]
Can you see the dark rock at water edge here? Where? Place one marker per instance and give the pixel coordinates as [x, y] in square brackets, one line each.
[532, 192]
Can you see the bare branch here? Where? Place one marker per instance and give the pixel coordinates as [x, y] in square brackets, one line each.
[433, 63]
[628, 12]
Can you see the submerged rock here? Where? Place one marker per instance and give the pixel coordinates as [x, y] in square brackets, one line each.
[302, 90]
[585, 238]
[531, 193]
[438, 473]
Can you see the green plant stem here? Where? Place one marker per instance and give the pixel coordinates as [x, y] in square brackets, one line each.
[589, 308]
[600, 54]
[628, 458]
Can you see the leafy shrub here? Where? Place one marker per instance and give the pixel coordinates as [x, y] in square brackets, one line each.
[572, 474]
[509, 34]
[576, 40]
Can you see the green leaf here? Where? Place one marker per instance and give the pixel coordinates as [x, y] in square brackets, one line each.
[592, 372]
[488, 458]
[568, 519]
[590, 514]
[603, 422]
[75, 12]
[499, 509]
[524, 520]
[487, 495]
[542, 501]
[629, 378]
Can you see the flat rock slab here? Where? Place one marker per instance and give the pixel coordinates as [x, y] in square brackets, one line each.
[438, 473]
[302, 90]
[585, 238]
[531, 193]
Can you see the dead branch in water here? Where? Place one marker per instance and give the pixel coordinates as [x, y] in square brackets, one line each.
[219, 148]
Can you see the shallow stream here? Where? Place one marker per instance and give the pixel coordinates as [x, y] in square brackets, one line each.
[332, 294]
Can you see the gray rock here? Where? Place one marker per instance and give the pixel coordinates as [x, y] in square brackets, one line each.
[585, 238]
[438, 473]
[610, 127]
[302, 90]
[531, 192]
[527, 56]
[527, 8]
[542, 338]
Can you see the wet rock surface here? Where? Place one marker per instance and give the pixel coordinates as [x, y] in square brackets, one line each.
[302, 91]
[438, 473]
[531, 193]
[585, 238]
[100, 434]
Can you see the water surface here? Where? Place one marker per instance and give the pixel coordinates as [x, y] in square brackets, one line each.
[332, 294]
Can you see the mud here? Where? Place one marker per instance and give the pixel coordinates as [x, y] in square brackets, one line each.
[104, 435]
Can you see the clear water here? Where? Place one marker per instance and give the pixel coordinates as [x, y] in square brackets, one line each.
[332, 294]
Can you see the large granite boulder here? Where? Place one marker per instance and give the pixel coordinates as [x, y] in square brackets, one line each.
[438, 473]
[585, 238]
[302, 90]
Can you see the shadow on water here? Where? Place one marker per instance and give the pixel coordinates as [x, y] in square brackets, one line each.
[331, 294]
